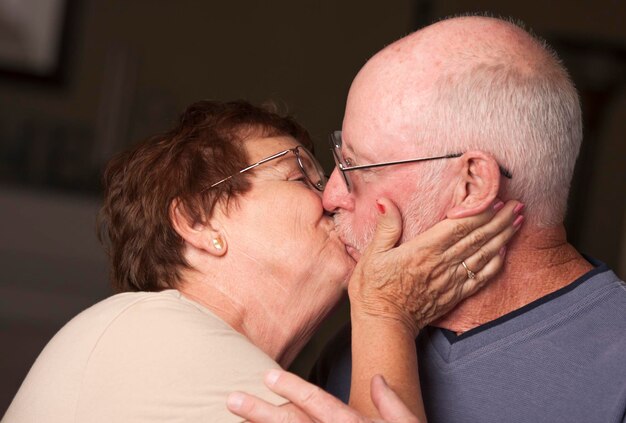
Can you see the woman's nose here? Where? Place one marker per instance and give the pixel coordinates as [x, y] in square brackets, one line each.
[336, 195]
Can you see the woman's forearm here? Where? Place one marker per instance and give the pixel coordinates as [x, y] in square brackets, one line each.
[395, 290]
[383, 345]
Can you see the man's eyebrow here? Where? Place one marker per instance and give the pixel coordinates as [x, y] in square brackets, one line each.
[356, 156]
[349, 148]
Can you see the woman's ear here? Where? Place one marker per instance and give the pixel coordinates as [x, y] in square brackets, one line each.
[202, 236]
[478, 185]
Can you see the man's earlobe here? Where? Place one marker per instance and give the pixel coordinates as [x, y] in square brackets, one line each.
[477, 186]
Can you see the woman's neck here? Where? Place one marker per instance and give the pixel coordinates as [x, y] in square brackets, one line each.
[276, 329]
[538, 262]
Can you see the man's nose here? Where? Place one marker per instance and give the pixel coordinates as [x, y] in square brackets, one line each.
[336, 195]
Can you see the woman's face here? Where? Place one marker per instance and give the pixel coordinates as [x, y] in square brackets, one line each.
[279, 229]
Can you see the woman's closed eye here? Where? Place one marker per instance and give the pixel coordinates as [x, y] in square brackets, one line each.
[300, 179]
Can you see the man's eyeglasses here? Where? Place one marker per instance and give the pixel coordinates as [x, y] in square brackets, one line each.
[345, 166]
[310, 168]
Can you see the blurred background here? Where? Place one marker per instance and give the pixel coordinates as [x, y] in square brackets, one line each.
[83, 79]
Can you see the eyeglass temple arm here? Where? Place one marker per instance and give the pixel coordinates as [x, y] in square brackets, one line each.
[504, 172]
[252, 166]
[369, 166]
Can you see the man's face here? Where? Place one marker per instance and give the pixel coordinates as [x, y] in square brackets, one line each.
[382, 124]
[408, 186]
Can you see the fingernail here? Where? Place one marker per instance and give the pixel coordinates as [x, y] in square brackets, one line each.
[383, 379]
[502, 251]
[497, 206]
[381, 208]
[271, 377]
[235, 400]
[518, 208]
[518, 221]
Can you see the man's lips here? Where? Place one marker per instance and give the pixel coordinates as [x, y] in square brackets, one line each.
[352, 252]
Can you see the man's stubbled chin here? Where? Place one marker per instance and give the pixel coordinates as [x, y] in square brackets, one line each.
[354, 245]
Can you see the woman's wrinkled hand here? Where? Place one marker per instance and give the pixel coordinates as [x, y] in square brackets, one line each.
[424, 278]
[309, 403]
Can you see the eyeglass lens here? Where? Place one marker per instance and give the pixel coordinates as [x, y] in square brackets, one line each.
[336, 142]
[311, 169]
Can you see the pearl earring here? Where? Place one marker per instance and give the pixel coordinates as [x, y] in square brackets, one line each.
[217, 243]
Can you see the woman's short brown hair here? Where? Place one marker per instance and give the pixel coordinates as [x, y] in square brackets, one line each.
[145, 252]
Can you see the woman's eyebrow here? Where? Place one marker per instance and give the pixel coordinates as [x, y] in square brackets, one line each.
[286, 159]
[280, 163]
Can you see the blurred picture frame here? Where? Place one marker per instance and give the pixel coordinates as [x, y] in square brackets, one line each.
[34, 38]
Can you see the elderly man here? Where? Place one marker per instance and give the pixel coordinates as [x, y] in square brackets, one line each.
[497, 115]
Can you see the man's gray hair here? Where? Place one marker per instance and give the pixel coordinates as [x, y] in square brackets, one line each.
[526, 113]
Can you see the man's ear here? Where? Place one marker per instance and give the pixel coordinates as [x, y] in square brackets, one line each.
[200, 235]
[477, 186]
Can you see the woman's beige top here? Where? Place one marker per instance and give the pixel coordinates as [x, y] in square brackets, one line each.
[141, 357]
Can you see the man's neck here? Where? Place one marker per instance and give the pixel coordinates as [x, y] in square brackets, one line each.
[538, 262]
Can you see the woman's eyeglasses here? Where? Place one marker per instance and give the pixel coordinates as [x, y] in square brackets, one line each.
[310, 168]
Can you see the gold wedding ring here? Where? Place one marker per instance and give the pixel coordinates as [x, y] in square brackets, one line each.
[470, 274]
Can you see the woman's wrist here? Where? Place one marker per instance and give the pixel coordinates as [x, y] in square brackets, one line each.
[382, 315]
[374, 301]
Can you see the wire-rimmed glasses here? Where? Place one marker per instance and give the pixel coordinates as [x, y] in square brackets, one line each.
[307, 164]
[345, 166]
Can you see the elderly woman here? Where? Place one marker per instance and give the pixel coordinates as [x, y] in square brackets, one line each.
[225, 263]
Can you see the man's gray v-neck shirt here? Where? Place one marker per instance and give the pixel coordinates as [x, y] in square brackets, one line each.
[561, 358]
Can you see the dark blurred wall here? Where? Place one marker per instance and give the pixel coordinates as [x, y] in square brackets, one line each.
[136, 64]
[132, 65]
